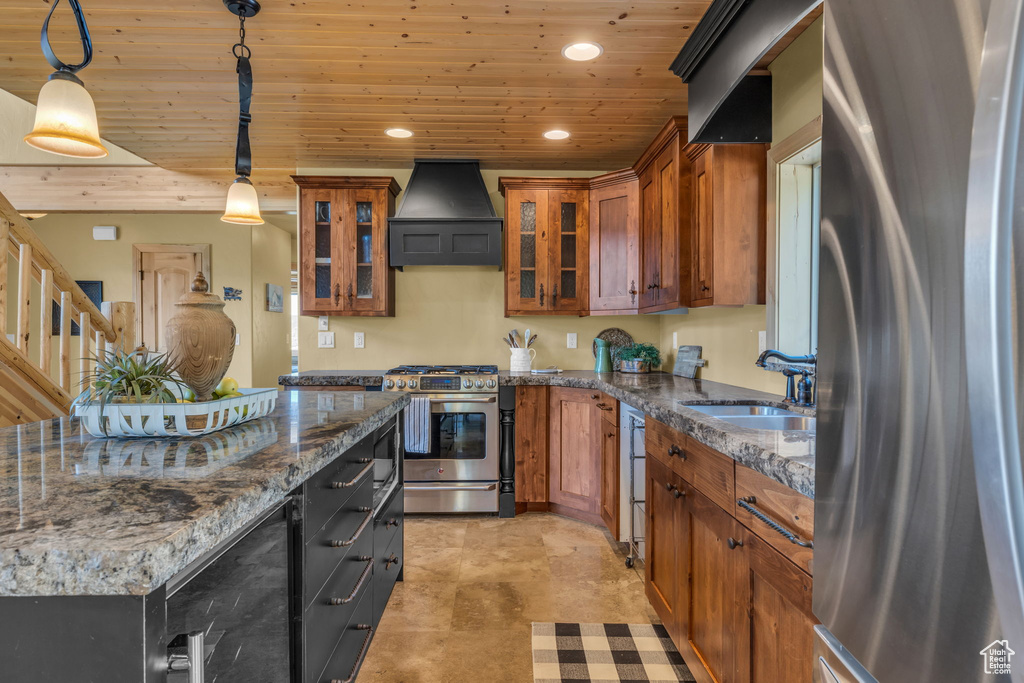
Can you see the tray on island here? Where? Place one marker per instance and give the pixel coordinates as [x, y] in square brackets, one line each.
[147, 420]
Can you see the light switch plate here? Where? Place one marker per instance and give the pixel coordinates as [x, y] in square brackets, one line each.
[321, 323]
[570, 340]
[238, 339]
[675, 340]
[360, 340]
[325, 340]
[762, 341]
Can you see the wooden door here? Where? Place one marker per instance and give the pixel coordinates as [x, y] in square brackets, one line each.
[650, 236]
[714, 609]
[662, 544]
[526, 251]
[364, 245]
[667, 169]
[574, 452]
[568, 247]
[702, 278]
[164, 273]
[777, 641]
[321, 253]
[615, 247]
[610, 476]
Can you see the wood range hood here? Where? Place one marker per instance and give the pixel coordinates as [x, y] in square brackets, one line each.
[446, 218]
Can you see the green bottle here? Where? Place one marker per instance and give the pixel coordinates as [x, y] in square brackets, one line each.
[604, 357]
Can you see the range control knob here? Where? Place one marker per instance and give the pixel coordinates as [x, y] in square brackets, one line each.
[412, 384]
[401, 383]
[479, 384]
[389, 383]
[468, 383]
[491, 384]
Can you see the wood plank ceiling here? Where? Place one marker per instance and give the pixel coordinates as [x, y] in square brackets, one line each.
[471, 78]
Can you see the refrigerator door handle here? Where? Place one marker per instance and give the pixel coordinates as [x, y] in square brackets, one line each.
[994, 242]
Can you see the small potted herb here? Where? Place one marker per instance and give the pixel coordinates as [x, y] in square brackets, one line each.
[638, 357]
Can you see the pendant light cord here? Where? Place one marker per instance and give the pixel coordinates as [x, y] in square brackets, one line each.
[83, 32]
[241, 51]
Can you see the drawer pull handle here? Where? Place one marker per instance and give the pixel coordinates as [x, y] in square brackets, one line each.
[390, 561]
[747, 504]
[733, 544]
[676, 450]
[354, 480]
[362, 654]
[355, 536]
[391, 523]
[605, 406]
[359, 584]
[676, 491]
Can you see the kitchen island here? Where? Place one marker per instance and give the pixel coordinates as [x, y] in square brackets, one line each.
[97, 534]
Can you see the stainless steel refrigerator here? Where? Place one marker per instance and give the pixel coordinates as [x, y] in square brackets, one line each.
[919, 497]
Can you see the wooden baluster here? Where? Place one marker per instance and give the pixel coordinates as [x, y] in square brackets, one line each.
[83, 348]
[5, 232]
[65, 341]
[46, 321]
[24, 295]
[101, 344]
[121, 315]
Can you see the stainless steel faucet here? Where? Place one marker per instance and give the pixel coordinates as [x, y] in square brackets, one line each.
[798, 392]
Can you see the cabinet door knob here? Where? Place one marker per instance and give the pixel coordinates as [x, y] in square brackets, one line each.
[733, 544]
[542, 295]
[349, 292]
[632, 291]
[337, 292]
[554, 296]
[678, 493]
[676, 450]
[670, 486]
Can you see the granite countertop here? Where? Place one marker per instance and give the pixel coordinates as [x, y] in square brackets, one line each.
[87, 516]
[785, 456]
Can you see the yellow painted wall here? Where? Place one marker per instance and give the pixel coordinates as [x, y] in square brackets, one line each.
[69, 237]
[271, 332]
[455, 314]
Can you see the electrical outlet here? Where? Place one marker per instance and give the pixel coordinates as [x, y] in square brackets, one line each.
[675, 341]
[325, 340]
[570, 340]
[762, 341]
[321, 323]
[360, 340]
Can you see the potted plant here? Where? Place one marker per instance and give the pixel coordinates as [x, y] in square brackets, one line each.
[638, 357]
[133, 377]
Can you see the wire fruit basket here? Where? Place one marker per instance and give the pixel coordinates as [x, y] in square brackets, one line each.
[147, 420]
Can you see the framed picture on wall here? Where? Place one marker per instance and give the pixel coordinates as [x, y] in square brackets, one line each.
[94, 290]
[275, 298]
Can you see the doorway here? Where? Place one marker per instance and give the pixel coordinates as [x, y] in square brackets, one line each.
[163, 272]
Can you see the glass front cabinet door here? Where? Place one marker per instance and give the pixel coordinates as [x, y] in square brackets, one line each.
[343, 255]
[546, 246]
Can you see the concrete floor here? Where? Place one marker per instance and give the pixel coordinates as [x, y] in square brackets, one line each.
[474, 585]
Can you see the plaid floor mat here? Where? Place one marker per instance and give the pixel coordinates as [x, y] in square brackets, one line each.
[605, 653]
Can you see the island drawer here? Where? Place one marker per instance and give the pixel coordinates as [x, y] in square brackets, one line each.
[329, 489]
[350, 524]
[763, 504]
[388, 568]
[710, 472]
[332, 607]
[388, 523]
[347, 656]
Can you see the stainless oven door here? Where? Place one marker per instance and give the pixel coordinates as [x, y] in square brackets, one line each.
[463, 443]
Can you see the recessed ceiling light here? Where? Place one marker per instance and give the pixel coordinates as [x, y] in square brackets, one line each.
[582, 52]
[556, 134]
[399, 132]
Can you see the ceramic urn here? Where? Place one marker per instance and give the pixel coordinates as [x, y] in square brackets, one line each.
[201, 339]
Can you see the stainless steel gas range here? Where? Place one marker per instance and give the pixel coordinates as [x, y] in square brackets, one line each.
[451, 436]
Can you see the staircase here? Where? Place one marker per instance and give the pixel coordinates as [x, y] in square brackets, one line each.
[37, 381]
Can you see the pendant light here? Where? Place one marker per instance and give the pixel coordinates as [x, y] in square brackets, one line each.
[243, 205]
[65, 114]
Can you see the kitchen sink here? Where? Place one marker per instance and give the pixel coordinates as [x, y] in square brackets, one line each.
[791, 422]
[741, 410]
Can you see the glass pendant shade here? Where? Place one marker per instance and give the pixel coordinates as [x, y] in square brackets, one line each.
[66, 121]
[243, 206]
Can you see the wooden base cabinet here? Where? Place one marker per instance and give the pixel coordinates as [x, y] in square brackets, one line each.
[737, 607]
[574, 453]
[610, 465]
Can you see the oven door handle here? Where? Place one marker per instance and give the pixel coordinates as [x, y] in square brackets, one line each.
[463, 400]
[480, 487]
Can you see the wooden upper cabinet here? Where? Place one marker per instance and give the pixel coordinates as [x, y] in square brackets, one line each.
[727, 224]
[614, 243]
[546, 253]
[343, 255]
